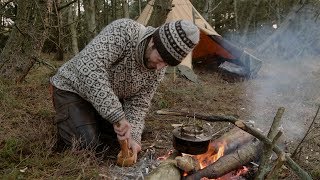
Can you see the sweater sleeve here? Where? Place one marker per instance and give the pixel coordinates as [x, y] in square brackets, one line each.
[137, 106]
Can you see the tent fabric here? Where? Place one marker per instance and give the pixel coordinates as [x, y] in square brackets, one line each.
[211, 43]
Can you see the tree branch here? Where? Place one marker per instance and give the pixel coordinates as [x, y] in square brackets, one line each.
[308, 131]
[66, 5]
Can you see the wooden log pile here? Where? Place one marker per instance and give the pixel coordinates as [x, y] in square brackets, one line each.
[244, 154]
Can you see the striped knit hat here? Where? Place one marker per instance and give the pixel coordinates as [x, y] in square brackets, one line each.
[175, 40]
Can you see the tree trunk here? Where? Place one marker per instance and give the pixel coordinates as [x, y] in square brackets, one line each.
[26, 39]
[282, 28]
[139, 3]
[249, 20]
[73, 30]
[206, 8]
[235, 9]
[58, 31]
[90, 15]
[125, 8]
[160, 11]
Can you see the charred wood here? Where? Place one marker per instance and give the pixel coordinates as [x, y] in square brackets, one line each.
[228, 163]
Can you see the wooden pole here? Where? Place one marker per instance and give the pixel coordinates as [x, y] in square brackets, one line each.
[267, 152]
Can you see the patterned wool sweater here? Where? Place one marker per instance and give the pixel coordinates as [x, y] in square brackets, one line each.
[109, 69]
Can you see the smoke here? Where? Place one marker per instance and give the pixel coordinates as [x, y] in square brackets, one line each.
[290, 76]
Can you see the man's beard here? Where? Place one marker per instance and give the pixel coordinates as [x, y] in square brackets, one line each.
[148, 64]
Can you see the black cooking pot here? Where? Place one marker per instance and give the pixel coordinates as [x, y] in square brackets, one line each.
[191, 139]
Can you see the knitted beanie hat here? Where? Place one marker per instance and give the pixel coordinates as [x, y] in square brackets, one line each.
[175, 40]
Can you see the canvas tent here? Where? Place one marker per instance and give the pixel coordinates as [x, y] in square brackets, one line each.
[211, 43]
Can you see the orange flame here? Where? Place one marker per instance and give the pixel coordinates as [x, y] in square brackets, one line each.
[215, 151]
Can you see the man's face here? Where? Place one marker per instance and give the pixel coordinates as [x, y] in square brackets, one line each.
[153, 58]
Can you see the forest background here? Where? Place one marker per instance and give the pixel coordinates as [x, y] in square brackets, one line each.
[37, 36]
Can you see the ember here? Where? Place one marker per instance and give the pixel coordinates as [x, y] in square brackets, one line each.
[164, 157]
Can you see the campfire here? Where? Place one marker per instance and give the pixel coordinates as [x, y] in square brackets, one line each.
[220, 159]
[242, 145]
[215, 151]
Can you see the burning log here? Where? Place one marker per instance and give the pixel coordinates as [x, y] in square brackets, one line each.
[229, 162]
[232, 140]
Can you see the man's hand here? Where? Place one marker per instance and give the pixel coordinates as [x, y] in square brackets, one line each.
[135, 147]
[123, 129]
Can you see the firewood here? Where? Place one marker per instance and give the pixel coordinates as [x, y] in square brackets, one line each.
[219, 118]
[166, 170]
[187, 163]
[228, 163]
[232, 140]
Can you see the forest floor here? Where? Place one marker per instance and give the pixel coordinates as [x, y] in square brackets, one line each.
[27, 135]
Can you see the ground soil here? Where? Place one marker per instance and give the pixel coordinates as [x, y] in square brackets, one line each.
[290, 84]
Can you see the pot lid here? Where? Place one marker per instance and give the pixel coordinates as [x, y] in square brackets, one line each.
[193, 133]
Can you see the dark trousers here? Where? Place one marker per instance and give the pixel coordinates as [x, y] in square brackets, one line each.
[78, 122]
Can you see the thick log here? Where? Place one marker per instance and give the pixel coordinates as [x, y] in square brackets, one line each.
[232, 140]
[228, 163]
[166, 170]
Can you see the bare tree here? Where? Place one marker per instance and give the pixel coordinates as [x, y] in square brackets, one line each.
[90, 16]
[26, 39]
[249, 20]
[74, 35]
[125, 8]
[160, 11]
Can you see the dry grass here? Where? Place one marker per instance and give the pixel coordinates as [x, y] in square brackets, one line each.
[27, 132]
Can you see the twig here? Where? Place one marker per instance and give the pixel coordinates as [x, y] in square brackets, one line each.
[307, 133]
[66, 5]
[5, 4]
[242, 125]
[52, 67]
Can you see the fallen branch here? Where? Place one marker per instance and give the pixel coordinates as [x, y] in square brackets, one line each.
[241, 124]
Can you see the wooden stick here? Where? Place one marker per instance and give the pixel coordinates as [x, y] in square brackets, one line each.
[273, 174]
[267, 152]
[241, 124]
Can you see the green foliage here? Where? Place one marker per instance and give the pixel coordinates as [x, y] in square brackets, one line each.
[162, 104]
[315, 174]
[10, 148]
